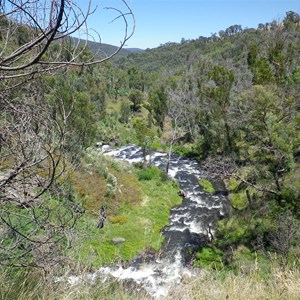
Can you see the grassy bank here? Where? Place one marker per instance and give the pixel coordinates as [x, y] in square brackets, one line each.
[138, 208]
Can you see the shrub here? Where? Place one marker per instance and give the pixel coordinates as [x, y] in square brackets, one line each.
[111, 186]
[209, 257]
[125, 112]
[119, 219]
[149, 173]
[233, 231]
[207, 186]
[239, 200]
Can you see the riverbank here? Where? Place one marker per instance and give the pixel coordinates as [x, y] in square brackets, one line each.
[211, 285]
[138, 204]
[190, 226]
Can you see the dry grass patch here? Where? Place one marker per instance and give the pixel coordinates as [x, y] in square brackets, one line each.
[226, 285]
[90, 186]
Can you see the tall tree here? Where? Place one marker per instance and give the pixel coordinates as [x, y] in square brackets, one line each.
[270, 125]
[158, 101]
[219, 94]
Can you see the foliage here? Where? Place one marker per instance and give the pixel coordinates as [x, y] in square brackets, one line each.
[136, 97]
[209, 258]
[207, 186]
[120, 219]
[125, 112]
[150, 173]
[71, 102]
[138, 209]
[239, 200]
[232, 231]
[158, 105]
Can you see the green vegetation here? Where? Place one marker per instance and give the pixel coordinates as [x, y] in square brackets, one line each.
[239, 200]
[207, 186]
[137, 209]
[209, 258]
[230, 100]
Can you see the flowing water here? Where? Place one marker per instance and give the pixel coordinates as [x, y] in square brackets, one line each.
[190, 225]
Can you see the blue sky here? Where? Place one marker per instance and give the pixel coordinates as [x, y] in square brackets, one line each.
[161, 21]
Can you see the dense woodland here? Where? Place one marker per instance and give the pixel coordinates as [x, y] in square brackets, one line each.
[231, 100]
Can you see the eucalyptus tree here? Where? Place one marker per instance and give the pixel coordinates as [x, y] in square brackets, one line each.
[269, 123]
[158, 100]
[137, 98]
[219, 94]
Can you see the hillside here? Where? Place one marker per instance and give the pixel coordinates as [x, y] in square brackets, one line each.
[199, 182]
[102, 50]
[232, 48]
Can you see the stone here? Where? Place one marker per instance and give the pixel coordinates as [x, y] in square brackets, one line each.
[118, 240]
[182, 193]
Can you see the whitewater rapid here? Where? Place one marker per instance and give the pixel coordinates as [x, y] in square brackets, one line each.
[191, 225]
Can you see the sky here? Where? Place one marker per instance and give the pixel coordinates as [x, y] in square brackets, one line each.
[162, 21]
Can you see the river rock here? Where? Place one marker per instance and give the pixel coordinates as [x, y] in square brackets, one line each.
[118, 240]
[182, 193]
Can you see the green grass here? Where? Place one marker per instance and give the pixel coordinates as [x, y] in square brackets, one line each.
[142, 222]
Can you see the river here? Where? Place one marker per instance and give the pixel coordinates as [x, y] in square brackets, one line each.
[191, 225]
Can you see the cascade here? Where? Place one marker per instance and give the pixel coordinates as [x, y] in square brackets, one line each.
[191, 225]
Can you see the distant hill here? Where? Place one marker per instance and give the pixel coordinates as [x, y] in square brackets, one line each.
[232, 48]
[134, 50]
[101, 49]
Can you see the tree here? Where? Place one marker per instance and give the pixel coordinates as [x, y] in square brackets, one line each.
[144, 136]
[176, 108]
[292, 19]
[262, 73]
[137, 98]
[125, 112]
[158, 100]
[220, 97]
[116, 80]
[135, 79]
[44, 124]
[252, 55]
[233, 29]
[269, 122]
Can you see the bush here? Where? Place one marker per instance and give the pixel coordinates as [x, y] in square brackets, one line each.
[119, 219]
[149, 173]
[207, 186]
[239, 200]
[209, 258]
[233, 231]
[125, 112]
